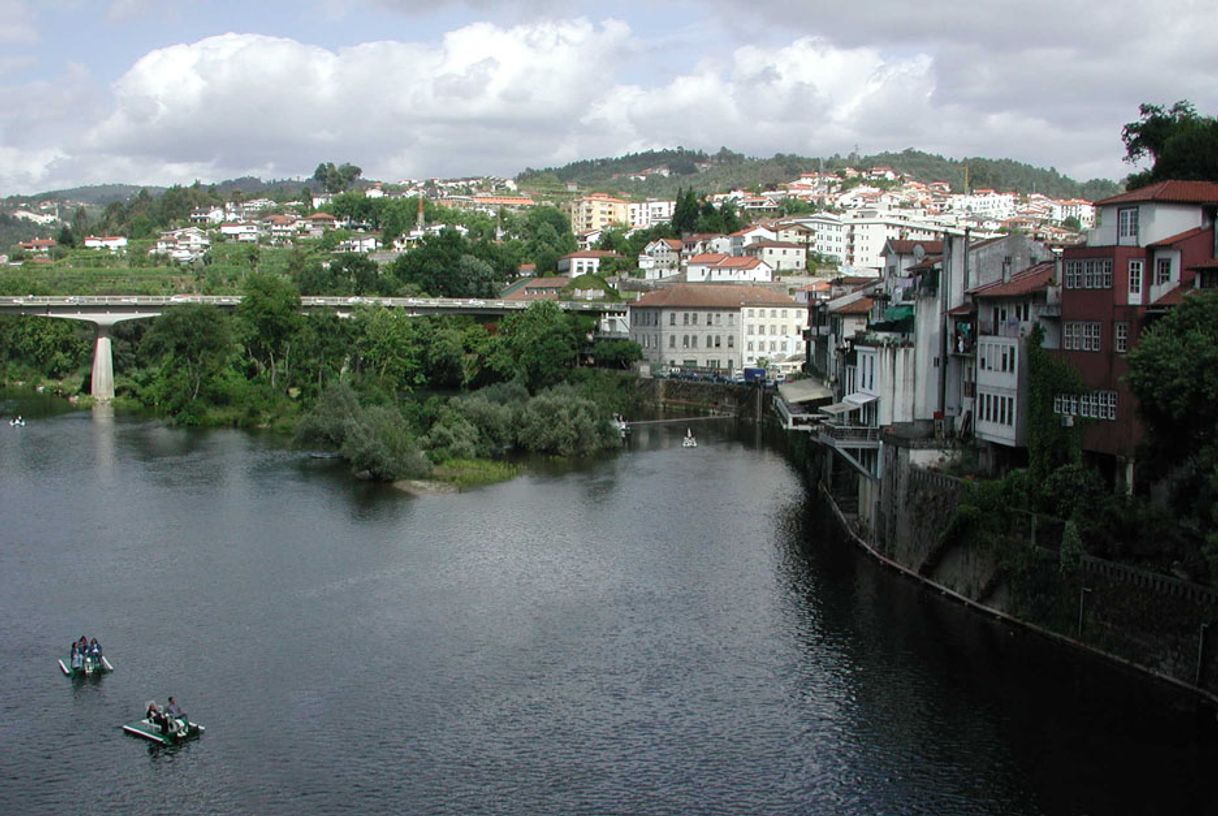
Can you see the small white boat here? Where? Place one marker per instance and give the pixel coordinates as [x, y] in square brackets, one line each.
[689, 441]
[16, 422]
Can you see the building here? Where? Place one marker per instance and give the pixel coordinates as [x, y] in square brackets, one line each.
[114, 243]
[715, 267]
[182, 245]
[39, 246]
[781, 256]
[722, 328]
[649, 213]
[660, 258]
[597, 211]
[584, 262]
[1138, 261]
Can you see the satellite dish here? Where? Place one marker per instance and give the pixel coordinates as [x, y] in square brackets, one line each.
[918, 252]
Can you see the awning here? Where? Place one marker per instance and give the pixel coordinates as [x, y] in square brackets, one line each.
[894, 313]
[838, 408]
[804, 391]
[859, 399]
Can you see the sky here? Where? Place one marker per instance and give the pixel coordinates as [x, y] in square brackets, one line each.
[169, 91]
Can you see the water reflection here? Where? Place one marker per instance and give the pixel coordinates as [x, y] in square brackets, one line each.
[664, 630]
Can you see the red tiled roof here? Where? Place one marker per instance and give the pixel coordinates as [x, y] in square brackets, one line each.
[592, 253]
[1030, 280]
[1212, 263]
[714, 296]
[962, 310]
[738, 262]
[905, 247]
[774, 245]
[708, 258]
[851, 280]
[1173, 298]
[1179, 192]
[1179, 236]
[857, 307]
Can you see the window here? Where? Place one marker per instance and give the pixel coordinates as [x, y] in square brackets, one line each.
[685, 341]
[751, 327]
[672, 318]
[1093, 273]
[684, 318]
[773, 313]
[1091, 336]
[1162, 270]
[731, 341]
[1095, 405]
[1120, 337]
[773, 329]
[1080, 335]
[750, 346]
[1127, 223]
[1135, 277]
[672, 341]
[773, 346]
[718, 317]
[708, 341]
[731, 318]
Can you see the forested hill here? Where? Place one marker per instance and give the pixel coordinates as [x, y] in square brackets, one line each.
[102, 194]
[726, 170]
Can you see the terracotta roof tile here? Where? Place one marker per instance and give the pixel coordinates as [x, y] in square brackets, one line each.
[1179, 192]
[861, 306]
[1179, 236]
[1030, 280]
[905, 247]
[715, 296]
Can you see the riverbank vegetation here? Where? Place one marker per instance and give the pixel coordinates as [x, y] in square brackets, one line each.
[399, 397]
[1062, 503]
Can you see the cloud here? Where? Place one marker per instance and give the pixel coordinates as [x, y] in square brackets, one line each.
[490, 97]
[17, 23]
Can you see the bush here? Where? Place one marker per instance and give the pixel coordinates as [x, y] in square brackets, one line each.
[559, 422]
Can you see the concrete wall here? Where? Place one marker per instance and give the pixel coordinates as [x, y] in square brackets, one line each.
[1153, 622]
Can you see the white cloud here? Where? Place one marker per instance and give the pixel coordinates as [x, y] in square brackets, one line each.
[17, 22]
[494, 98]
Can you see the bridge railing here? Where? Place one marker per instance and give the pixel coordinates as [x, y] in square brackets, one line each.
[439, 304]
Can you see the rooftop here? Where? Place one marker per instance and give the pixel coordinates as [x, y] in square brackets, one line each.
[714, 296]
[1032, 279]
[1170, 191]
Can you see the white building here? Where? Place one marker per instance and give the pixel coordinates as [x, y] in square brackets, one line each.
[781, 256]
[584, 262]
[716, 327]
[182, 245]
[716, 267]
[114, 243]
[649, 213]
[660, 258]
[245, 231]
[829, 235]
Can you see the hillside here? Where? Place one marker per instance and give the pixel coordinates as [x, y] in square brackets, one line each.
[726, 170]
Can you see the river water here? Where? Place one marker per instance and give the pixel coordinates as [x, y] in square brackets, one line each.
[663, 631]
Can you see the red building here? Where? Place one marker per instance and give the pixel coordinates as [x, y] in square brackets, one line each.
[1139, 261]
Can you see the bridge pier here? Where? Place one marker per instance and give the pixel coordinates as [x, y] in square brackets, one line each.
[103, 365]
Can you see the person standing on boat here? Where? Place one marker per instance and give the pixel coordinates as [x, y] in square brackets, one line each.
[95, 651]
[76, 659]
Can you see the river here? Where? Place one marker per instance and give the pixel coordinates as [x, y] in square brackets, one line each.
[662, 631]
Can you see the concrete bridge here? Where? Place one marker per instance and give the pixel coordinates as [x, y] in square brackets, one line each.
[103, 311]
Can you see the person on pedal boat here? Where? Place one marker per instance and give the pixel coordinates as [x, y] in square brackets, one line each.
[76, 659]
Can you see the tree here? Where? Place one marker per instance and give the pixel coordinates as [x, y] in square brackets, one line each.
[1173, 372]
[270, 318]
[192, 344]
[1180, 143]
[336, 179]
[538, 344]
[685, 212]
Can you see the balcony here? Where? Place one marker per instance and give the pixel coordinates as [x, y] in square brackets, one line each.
[840, 435]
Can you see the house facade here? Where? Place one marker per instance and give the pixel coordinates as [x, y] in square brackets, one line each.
[721, 328]
[1137, 263]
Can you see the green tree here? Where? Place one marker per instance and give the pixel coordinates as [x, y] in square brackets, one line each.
[269, 317]
[191, 344]
[1181, 144]
[685, 213]
[539, 345]
[1050, 443]
[336, 179]
[390, 347]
